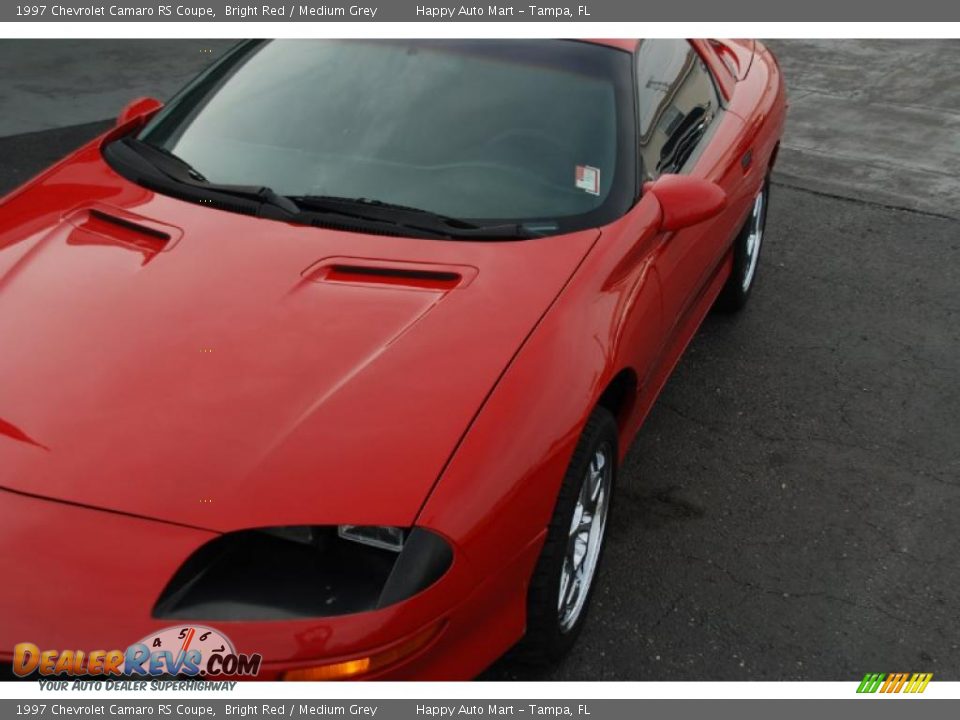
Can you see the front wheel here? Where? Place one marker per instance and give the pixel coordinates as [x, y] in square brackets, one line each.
[562, 582]
[746, 255]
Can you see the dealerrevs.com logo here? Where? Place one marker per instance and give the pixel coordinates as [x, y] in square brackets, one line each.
[181, 651]
[888, 683]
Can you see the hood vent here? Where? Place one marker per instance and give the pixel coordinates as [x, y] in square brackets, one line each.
[427, 279]
[357, 271]
[99, 216]
[105, 225]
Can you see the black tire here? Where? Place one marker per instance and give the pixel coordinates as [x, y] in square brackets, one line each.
[735, 294]
[546, 639]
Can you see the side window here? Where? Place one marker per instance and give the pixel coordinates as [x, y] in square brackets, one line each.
[676, 101]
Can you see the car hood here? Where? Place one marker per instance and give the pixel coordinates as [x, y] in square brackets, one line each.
[173, 361]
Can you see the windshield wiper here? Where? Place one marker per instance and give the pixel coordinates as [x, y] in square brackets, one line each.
[320, 209]
[166, 161]
[410, 217]
[170, 155]
[179, 170]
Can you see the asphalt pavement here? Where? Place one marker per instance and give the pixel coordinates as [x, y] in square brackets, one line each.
[790, 509]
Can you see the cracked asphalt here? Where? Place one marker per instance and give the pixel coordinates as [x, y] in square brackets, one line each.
[790, 509]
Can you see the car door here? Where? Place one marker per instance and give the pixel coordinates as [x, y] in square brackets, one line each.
[679, 112]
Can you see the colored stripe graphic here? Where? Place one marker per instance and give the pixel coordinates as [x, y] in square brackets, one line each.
[894, 682]
[919, 682]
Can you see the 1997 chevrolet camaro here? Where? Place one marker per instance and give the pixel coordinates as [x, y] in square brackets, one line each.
[338, 351]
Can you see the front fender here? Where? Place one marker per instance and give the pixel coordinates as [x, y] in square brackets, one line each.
[498, 492]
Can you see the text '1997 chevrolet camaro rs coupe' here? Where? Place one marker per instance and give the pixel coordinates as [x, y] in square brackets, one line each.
[334, 356]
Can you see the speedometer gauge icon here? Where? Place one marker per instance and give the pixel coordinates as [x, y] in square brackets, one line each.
[181, 639]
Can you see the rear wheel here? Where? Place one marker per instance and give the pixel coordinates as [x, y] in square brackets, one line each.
[563, 580]
[746, 255]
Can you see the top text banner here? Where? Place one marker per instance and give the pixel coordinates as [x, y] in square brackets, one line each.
[408, 11]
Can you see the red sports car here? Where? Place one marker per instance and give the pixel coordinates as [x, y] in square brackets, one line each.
[338, 351]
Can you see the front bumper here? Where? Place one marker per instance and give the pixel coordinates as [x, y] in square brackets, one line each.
[77, 578]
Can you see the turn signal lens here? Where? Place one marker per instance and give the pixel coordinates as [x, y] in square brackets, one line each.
[363, 665]
[337, 671]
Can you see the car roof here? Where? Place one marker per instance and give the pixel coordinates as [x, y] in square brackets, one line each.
[621, 44]
[721, 72]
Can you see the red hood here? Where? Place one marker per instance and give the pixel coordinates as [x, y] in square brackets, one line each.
[227, 377]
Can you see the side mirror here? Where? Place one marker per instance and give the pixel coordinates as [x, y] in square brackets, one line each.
[136, 108]
[686, 200]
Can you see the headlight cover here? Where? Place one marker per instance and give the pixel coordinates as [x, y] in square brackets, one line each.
[304, 571]
[379, 536]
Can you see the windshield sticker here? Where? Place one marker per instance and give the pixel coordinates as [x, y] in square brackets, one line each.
[588, 178]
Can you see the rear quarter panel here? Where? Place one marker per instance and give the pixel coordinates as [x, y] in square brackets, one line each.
[760, 99]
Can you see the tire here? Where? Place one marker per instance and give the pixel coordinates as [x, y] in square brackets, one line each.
[553, 624]
[746, 255]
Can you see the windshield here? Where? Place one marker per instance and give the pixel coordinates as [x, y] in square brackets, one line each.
[489, 130]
